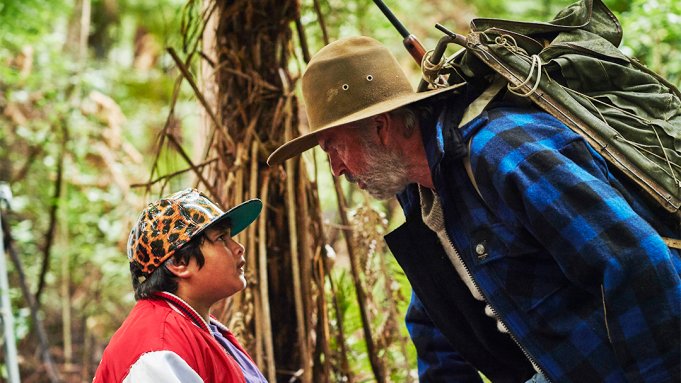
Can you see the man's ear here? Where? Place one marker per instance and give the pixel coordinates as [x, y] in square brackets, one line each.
[179, 268]
[382, 123]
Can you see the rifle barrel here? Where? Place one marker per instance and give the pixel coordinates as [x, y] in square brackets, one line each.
[393, 19]
[410, 42]
[415, 48]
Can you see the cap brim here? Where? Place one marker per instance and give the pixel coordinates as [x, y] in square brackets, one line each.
[309, 140]
[240, 215]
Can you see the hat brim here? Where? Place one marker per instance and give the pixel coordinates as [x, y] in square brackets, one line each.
[309, 140]
[240, 216]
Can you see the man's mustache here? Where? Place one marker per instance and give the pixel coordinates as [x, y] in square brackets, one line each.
[351, 178]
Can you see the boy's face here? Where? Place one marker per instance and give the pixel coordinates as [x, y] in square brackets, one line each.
[222, 274]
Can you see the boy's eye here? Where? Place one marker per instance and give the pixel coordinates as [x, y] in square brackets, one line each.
[223, 236]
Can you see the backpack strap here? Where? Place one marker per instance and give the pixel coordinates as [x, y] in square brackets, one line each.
[472, 111]
[475, 108]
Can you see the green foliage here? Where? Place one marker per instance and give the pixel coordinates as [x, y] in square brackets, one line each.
[393, 357]
[94, 115]
[652, 34]
[34, 18]
[652, 29]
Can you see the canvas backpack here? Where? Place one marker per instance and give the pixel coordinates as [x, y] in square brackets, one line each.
[571, 68]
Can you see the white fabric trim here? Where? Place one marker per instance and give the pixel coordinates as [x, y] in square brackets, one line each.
[161, 366]
[433, 217]
[186, 305]
[173, 306]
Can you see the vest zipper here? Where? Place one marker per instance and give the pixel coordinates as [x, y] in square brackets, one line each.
[494, 311]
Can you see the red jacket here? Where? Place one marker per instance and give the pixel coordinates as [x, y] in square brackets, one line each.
[155, 334]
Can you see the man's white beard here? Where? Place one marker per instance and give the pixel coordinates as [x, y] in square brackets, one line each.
[386, 173]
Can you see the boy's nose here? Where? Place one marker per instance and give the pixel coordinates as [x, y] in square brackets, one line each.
[237, 248]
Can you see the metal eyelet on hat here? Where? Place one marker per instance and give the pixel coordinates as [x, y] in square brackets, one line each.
[370, 77]
[346, 86]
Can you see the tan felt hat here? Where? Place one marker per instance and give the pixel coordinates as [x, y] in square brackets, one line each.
[347, 81]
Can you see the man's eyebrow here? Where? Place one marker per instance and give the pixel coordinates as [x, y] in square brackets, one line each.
[326, 143]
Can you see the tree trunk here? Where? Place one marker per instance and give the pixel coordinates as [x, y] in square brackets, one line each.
[257, 110]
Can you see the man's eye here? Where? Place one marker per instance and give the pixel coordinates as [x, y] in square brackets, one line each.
[326, 145]
[220, 238]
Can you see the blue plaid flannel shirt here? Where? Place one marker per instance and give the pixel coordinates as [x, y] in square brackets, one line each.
[571, 266]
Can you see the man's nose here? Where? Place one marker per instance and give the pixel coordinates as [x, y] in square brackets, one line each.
[337, 166]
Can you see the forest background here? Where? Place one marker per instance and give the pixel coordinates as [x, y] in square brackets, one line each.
[104, 107]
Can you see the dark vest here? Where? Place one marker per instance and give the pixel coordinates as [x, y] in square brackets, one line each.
[451, 306]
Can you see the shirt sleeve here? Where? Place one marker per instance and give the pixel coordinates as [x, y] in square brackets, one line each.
[161, 366]
[437, 360]
[562, 196]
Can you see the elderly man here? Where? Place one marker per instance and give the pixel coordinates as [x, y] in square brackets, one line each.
[530, 259]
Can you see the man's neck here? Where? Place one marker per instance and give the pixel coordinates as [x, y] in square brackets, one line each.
[417, 160]
[424, 179]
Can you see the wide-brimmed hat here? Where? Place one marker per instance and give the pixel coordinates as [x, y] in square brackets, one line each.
[169, 223]
[347, 81]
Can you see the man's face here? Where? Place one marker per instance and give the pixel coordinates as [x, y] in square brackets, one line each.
[357, 153]
[222, 274]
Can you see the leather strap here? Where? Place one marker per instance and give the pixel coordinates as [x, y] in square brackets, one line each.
[672, 242]
[472, 111]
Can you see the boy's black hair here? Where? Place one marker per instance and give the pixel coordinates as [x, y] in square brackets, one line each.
[162, 279]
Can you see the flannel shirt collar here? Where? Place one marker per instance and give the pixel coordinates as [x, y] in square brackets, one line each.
[437, 134]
